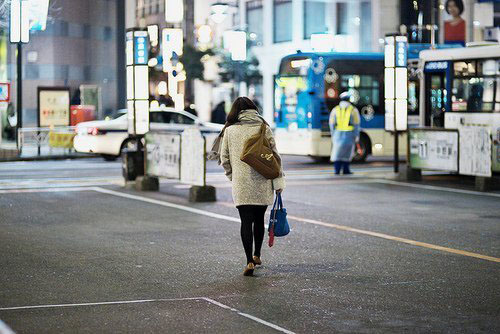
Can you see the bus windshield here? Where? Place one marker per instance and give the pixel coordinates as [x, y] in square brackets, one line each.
[290, 85]
[295, 66]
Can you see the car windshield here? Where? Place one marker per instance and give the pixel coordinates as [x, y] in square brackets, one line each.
[117, 114]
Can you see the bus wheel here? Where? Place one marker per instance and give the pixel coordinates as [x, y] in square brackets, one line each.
[363, 150]
[320, 159]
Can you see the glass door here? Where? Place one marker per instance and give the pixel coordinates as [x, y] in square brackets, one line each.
[436, 97]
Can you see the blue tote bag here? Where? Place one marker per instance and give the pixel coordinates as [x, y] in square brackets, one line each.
[278, 223]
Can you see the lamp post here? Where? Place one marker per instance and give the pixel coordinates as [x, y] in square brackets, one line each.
[19, 34]
[234, 40]
[396, 89]
[137, 81]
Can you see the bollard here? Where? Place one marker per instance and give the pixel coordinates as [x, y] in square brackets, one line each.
[147, 183]
[202, 194]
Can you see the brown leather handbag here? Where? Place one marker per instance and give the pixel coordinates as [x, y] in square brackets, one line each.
[258, 153]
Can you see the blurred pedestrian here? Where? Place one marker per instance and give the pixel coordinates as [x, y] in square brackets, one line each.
[189, 107]
[252, 192]
[344, 128]
[219, 113]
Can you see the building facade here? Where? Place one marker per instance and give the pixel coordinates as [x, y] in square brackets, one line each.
[83, 44]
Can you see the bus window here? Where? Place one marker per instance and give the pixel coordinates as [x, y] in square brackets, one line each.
[473, 94]
[413, 91]
[367, 86]
[295, 66]
[290, 110]
[464, 68]
[497, 104]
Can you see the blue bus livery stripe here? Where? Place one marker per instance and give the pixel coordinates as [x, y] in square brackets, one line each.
[339, 55]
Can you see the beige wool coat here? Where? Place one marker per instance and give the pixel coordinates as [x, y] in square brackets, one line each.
[249, 187]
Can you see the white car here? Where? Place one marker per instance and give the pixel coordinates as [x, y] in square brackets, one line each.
[109, 137]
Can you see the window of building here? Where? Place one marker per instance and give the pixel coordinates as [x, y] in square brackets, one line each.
[86, 31]
[108, 33]
[31, 71]
[314, 17]
[254, 21]
[342, 19]
[282, 21]
[365, 28]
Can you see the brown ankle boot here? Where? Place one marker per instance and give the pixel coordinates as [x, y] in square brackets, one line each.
[249, 269]
[257, 260]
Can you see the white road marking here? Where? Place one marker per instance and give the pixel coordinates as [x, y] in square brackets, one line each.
[304, 220]
[309, 221]
[44, 190]
[141, 301]
[423, 186]
[4, 329]
[249, 316]
[31, 307]
[167, 204]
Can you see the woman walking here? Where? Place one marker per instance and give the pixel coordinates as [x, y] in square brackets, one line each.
[252, 192]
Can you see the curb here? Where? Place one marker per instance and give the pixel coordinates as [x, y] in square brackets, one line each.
[49, 157]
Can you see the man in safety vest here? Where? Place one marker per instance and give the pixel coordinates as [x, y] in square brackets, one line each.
[344, 127]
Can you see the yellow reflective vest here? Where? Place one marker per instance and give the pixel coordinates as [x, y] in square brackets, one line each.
[343, 117]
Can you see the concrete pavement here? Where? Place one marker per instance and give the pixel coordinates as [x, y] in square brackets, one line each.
[163, 265]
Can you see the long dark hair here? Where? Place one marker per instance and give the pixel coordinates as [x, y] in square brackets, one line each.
[241, 103]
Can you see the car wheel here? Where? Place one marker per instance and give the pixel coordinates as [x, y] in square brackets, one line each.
[363, 150]
[109, 157]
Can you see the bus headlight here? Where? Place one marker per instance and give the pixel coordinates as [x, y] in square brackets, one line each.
[378, 147]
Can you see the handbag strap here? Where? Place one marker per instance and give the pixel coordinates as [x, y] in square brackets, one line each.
[275, 207]
[280, 201]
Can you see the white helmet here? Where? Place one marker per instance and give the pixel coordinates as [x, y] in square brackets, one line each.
[352, 95]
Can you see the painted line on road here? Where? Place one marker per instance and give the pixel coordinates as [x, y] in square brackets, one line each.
[397, 239]
[427, 187]
[141, 301]
[167, 204]
[45, 190]
[335, 181]
[4, 329]
[304, 220]
[249, 316]
[388, 237]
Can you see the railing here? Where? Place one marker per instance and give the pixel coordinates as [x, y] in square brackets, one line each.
[46, 141]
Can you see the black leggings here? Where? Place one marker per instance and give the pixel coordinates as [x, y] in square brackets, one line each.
[252, 214]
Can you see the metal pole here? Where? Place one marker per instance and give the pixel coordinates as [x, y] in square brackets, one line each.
[19, 91]
[396, 142]
[396, 151]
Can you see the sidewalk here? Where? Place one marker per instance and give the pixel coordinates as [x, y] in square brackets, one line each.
[9, 152]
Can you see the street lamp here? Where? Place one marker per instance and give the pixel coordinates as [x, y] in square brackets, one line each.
[219, 11]
[137, 81]
[396, 89]
[19, 33]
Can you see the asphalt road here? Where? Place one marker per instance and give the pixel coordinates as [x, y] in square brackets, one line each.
[82, 254]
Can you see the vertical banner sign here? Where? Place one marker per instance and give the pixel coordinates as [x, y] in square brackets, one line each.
[396, 83]
[53, 106]
[19, 21]
[174, 11]
[172, 41]
[236, 42]
[172, 45]
[137, 81]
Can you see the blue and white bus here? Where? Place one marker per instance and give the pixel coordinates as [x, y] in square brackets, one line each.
[307, 88]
